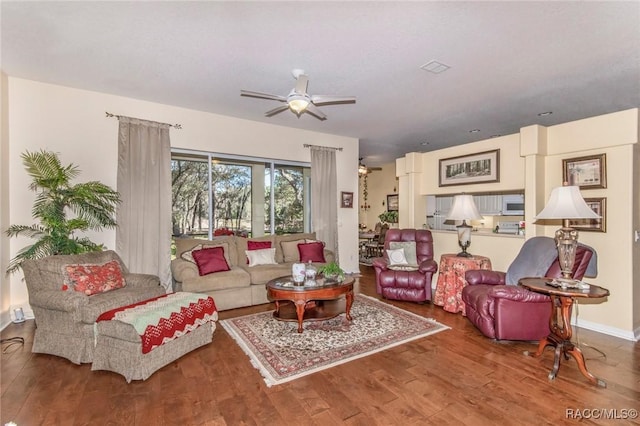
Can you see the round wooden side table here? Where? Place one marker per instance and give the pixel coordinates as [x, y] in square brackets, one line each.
[560, 322]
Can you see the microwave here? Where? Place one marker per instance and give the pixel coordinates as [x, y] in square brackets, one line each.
[513, 205]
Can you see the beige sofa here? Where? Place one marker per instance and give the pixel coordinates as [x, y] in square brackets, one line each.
[242, 285]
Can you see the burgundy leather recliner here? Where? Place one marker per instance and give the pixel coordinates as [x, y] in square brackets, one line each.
[413, 286]
[511, 312]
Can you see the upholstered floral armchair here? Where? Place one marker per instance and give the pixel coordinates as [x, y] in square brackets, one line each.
[68, 292]
[408, 273]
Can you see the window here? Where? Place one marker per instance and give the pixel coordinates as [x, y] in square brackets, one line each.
[290, 184]
[218, 195]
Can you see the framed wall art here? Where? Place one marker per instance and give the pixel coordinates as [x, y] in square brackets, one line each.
[586, 172]
[599, 206]
[346, 200]
[482, 167]
[392, 203]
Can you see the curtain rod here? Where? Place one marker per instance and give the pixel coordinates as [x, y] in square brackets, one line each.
[176, 126]
[306, 145]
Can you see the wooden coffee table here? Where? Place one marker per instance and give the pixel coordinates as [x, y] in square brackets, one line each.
[310, 303]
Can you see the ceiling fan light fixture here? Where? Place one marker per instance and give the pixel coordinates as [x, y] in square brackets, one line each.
[362, 169]
[298, 104]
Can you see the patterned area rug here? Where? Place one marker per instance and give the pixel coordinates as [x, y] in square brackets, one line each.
[282, 354]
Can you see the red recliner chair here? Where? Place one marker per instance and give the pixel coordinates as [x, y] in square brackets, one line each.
[511, 312]
[410, 285]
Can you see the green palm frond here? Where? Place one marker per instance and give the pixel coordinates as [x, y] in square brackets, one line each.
[30, 231]
[92, 204]
[38, 250]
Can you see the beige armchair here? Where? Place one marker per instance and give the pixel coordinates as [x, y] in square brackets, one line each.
[65, 319]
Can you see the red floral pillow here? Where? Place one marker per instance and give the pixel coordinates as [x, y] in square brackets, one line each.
[311, 252]
[257, 245]
[93, 279]
[210, 260]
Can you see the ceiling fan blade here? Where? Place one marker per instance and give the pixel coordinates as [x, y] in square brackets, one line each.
[313, 110]
[323, 99]
[276, 110]
[263, 95]
[301, 85]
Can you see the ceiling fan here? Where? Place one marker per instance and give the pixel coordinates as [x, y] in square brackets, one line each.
[364, 170]
[298, 100]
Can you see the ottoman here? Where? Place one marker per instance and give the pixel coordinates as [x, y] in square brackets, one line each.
[137, 340]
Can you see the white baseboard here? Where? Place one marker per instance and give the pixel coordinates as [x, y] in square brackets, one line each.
[605, 329]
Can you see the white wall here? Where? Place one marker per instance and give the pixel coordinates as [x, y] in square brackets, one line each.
[616, 136]
[532, 159]
[5, 299]
[380, 183]
[72, 122]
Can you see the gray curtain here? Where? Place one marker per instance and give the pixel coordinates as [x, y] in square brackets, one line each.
[324, 196]
[143, 236]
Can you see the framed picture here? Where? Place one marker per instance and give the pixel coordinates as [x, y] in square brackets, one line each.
[392, 203]
[482, 167]
[346, 200]
[598, 205]
[586, 172]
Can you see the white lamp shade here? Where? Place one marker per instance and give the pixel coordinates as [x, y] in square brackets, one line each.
[463, 208]
[566, 202]
[298, 103]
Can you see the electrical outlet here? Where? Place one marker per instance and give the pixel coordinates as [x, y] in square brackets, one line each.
[637, 235]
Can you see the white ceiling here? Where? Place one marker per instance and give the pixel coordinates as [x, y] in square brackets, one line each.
[509, 61]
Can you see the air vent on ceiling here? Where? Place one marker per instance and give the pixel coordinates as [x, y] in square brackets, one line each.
[435, 67]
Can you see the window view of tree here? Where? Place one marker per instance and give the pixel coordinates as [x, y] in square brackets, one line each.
[232, 198]
[226, 208]
[190, 197]
[288, 184]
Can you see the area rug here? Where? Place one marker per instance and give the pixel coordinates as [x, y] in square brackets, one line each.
[281, 354]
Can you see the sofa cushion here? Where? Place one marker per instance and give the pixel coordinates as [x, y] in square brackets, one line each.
[279, 239]
[210, 260]
[188, 244]
[258, 245]
[89, 279]
[311, 252]
[261, 274]
[290, 250]
[261, 257]
[233, 278]
[242, 245]
[188, 255]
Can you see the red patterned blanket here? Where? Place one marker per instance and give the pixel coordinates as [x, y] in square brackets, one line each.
[165, 318]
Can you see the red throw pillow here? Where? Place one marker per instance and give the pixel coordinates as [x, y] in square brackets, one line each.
[313, 252]
[92, 278]
[210, 260]
[257, 245]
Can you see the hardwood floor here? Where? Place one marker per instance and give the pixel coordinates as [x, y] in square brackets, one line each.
[453, 377]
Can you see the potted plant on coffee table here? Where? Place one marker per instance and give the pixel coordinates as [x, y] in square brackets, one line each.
[331, 271]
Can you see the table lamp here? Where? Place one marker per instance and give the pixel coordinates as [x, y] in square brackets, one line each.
[565, 203]
[464, 209]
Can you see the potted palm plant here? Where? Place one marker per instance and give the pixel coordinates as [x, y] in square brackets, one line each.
[92, 205]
